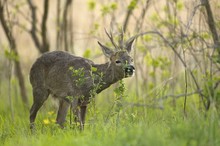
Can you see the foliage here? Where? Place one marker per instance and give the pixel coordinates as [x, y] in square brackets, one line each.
[132, 4]
[11, 55]
[91, 5]
[79, 75]
[109, 8]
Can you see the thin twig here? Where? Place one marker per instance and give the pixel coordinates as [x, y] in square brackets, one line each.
[161, 99]
[140, 21]
[186, 87]
[179, 95]
[142, 105]
[128, 15]
[191, 18]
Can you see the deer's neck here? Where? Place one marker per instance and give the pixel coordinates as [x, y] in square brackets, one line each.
[107, 75]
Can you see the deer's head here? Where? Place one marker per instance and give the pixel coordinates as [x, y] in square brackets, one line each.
[119, 56]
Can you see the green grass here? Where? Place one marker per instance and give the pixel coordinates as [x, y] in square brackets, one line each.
[107, 126]
[160, 128]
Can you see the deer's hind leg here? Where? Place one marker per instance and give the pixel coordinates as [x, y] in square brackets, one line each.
[40, 95]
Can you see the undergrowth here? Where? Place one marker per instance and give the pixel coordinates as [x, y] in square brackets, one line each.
[114, 122]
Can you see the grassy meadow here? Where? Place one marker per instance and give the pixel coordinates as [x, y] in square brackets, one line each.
[113, 122]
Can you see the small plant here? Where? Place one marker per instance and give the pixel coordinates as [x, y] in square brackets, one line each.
[79, 74]
[119, 95]
[117, 105]
[97, 78]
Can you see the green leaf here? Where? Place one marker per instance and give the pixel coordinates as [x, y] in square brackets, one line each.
[94, 69]
[87, 53]
[71, 68]
[105, 10]
[91, 4]
[179, 5]
[154, 17]
[205, 35]
[148, 38]
[70, 98]
[11, 55]
[173, 21]
[114, 6]
[132, 5]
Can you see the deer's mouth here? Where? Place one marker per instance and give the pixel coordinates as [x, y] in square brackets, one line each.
[129, 71]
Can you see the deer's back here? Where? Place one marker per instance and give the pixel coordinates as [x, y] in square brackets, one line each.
[51, 71]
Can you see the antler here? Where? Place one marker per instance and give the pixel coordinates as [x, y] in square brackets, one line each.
[111, 39]
[121, 40]
[124, 45]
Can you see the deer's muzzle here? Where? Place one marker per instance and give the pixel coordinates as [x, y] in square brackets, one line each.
[129, 70]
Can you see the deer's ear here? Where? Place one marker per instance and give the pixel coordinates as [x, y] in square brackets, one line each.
[129, 43]
[106, 51]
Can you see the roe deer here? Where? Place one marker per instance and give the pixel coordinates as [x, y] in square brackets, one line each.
[64, 75]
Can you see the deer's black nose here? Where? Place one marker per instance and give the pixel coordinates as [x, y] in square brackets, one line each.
[129, 70]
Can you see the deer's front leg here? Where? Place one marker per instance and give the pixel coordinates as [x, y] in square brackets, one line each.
[76, 111]
[62, 112]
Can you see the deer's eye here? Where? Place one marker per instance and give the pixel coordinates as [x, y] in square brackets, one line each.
[117, 61]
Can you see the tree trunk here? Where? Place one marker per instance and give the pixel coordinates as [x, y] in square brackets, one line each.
[211, 24]
[13, 47]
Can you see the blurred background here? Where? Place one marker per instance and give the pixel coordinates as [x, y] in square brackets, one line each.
[177, 60]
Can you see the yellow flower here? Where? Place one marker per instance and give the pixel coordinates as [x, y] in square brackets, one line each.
[46, 121]
[51, 113]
